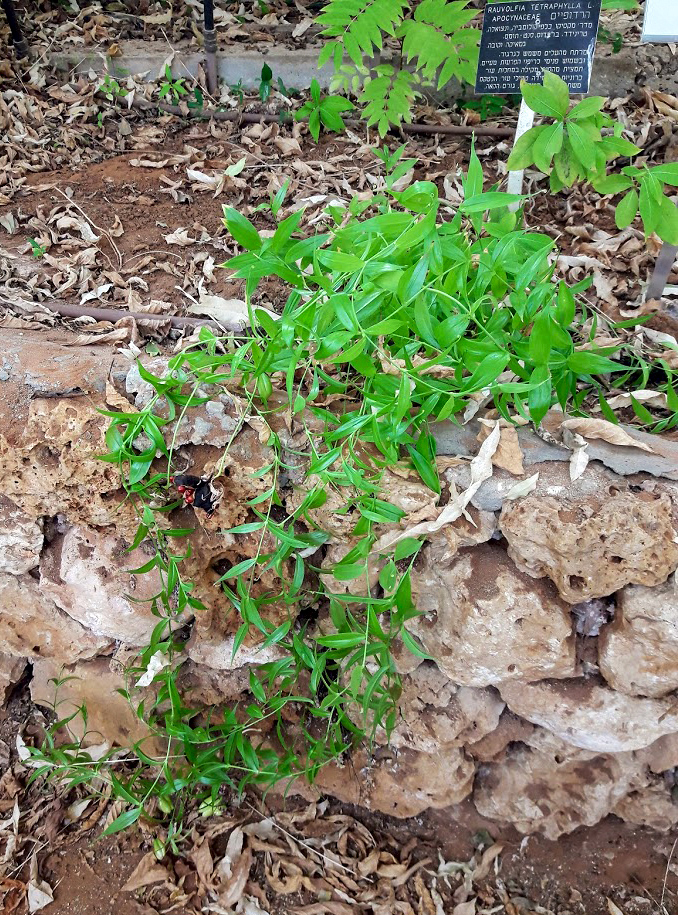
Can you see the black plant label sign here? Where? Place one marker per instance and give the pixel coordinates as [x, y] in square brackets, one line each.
[521, 40]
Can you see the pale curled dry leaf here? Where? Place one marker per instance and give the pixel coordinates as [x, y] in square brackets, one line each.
[40, 893]
[481, 470]
[649, 398]
[522, 488]
[465, 908]
[509, 454]
[489, 856]
[579, 460]
[233, 889]
[604, 430]
[180, 237]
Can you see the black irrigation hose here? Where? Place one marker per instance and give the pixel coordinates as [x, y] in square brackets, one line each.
[18, 40]
[251, 117]
[115, 314]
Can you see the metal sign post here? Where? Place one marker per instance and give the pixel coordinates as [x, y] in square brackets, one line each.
[522, 39]
[660, 24]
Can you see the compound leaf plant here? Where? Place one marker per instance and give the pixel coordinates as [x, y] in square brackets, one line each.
[403, 313]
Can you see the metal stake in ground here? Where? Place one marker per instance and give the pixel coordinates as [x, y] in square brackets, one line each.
[18, 40]
[660, 274]
[515, 179]
[210, 36]
[660, 24]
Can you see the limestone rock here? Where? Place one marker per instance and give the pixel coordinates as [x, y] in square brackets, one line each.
[638, 652]
[49, 465]
[510, 729]
[32, 626]
[662, 754]
[215, 650]
[11, 669]
[592, 716]
[451, 438]
[212, 423]
[85, 573]
[202, 686]
[436, 714]
[485, 622]
[110, 718]
[20, 539]
[651, 806]
[593, 546]
[553, 789]
[400, 783]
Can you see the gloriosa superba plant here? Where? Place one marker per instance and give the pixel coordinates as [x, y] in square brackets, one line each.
[404, 313]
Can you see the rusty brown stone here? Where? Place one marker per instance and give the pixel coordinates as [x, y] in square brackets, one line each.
[593, 546]
[484, 621]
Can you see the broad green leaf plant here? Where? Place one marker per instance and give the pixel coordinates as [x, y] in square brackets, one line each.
[578, 142]
[323, 110]
[400, 315]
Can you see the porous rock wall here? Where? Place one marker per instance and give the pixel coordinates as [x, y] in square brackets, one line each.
[553, 618]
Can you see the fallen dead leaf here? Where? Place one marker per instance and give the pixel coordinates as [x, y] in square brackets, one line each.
[149, 870]
[488, 857]
[650, 398]
[465, 908]
[509, 454]
[481, 470]
[608, 432]
[522, 488]
[39, 891]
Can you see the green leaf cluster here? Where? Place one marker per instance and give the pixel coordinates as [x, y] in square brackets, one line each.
[577, 146]
[323, 110]
[401, 315]
[433, 34]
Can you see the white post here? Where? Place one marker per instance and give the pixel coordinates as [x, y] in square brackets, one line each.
[662, 269]
[515, 179]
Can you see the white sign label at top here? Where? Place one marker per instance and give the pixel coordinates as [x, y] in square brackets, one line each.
[661, 20]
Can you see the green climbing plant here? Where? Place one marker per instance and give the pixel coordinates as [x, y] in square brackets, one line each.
[399, 316]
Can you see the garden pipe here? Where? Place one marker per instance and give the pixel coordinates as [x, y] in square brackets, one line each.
[251, 117]
[18, 40]
[210, 36]
[114, 314]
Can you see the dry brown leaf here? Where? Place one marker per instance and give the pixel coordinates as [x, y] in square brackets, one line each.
[233, 889]
[509, 454]
[201, 857]
[465, 908]
[483, 869]
[613, 908]
[118, 335]
[602, 429]
[149, 870]
[323, 908]
[39, 891]
[650, 398]
[481, 470]
[426, 904]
